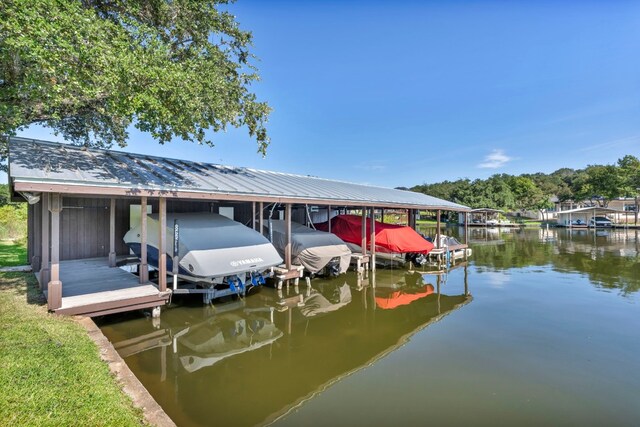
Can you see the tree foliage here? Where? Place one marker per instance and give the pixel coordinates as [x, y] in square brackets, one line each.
[89, 69]
[597, 183]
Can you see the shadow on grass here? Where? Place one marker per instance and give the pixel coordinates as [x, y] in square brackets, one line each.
[12, 254]
[24, 285]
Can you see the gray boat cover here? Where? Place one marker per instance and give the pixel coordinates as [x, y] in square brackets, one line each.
[212, 245]
[311, 248]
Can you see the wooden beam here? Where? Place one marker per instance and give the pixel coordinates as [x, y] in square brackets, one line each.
[382, 216]
[287, 248]
[110, 307]
[95, 190]
[162, 245]
[44, 240]
[54, 296]
[261, 221]
[33, 229]
[329, 217]
[372, 262]
[466, 228]
[364, 231]
[438, 230]
[112, 233]
[144, 266]
[253, 215]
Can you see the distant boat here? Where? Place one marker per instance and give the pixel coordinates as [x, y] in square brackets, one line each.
[213, 250]
[394, 243]
[317, 251]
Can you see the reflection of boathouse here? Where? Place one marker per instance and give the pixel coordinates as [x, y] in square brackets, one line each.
[297, 343]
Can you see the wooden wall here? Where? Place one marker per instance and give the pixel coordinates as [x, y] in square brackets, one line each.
[84, 223]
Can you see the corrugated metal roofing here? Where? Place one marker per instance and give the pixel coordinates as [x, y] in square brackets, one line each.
[43, 162]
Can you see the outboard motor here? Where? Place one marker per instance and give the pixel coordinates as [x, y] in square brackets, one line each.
[416, 258]
[257, 279]
[235, 284]
[333, 267]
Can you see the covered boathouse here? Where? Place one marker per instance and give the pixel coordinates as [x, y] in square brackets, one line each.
[83, 201]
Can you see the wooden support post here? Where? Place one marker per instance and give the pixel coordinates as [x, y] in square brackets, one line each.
[466, 228]
[261, 222]
[382, 215]
[44, 240]
[287, 249]
[329, 217]
[34, 230]
[54, 297]
[364, 231]
[438, 280]
[438, 230]
[144, 266]
[162, 245]
[253, 215]
[372, 261]
[466, 282]
[112, 233]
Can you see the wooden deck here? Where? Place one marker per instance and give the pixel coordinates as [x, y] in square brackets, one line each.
[92, 288]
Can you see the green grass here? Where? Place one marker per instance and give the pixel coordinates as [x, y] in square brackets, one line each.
[426, 221]
[50, 370]
[12, 254]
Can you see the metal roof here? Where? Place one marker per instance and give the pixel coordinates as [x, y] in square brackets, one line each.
[485, 210]
[589, 209]
[36, 165]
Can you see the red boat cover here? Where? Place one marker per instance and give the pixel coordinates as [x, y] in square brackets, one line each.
[399, 298]
[394, 238]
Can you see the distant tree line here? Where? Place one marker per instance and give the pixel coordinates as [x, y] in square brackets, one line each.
[597, 183]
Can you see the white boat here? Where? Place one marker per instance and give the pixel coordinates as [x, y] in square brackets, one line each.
[317, 251]
[213, 251]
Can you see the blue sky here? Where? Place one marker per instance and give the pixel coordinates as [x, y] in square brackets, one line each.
[402, 93]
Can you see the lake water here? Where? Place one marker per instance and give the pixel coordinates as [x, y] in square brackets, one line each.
[541, 327]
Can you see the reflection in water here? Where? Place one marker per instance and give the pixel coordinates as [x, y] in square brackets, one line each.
[611, 258]
[537, 346]
[235, 361]
[394, 290]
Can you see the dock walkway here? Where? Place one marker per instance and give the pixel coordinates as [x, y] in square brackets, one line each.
[92, 288]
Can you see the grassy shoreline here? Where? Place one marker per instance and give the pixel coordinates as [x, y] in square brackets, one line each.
[52, 373]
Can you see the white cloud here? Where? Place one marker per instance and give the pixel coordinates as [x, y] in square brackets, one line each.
[494, 160]
[373, 166]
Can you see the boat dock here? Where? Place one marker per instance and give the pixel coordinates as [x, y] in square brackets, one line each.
[93, 288]
[82, 202]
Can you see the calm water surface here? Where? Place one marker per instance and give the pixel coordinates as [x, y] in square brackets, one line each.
[541, 326]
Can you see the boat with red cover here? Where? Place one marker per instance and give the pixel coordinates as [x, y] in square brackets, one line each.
[398, 241]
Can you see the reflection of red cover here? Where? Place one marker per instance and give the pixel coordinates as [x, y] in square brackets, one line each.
[398, 298]
[395, 238]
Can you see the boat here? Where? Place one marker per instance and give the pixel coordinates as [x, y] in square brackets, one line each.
[394, 243]
[216, 254]
[319, 252]
[454, 248]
